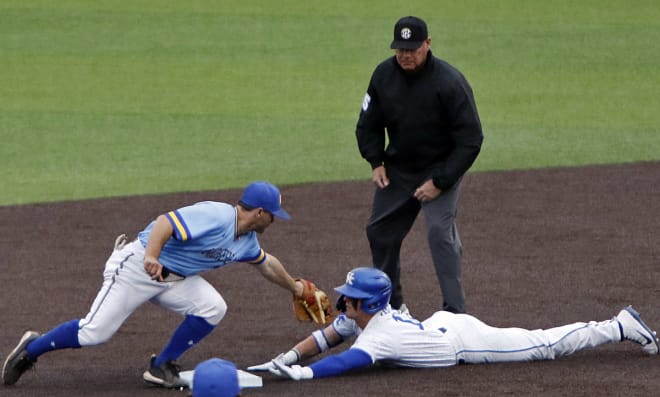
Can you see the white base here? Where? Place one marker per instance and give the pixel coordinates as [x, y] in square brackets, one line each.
[245, 379]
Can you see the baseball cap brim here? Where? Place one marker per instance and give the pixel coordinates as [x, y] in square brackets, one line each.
[352, 292]
[405, 45]
[282, 214]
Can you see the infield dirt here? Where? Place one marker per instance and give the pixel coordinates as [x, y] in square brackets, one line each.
[541, 248]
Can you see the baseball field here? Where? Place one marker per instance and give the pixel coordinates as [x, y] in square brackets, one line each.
[114, 113]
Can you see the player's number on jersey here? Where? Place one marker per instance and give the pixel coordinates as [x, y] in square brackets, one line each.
[408, 320]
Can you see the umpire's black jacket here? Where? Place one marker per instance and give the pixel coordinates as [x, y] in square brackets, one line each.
[431, 119]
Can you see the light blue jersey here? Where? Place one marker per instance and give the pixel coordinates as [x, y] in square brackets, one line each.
[205, 238]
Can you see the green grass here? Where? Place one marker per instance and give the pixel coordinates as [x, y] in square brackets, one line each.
[135, 97]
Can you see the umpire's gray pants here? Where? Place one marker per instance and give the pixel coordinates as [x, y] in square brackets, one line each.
[393, 214]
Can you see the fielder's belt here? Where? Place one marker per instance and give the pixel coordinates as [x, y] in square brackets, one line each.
[170, 275]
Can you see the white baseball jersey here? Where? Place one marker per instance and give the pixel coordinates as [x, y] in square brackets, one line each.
[446, 339]
[396, 338]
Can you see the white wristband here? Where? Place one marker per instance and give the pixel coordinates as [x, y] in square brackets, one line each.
[291, 357]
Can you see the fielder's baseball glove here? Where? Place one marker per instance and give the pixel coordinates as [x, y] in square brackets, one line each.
[313, 305]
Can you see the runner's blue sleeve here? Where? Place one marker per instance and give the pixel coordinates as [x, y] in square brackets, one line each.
[337, 364]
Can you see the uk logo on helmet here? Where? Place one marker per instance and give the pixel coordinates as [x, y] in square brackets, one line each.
[349, 278]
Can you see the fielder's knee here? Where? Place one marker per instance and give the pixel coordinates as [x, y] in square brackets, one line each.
[214, 311]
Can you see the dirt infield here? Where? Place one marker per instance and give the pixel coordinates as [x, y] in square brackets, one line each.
[541, 248]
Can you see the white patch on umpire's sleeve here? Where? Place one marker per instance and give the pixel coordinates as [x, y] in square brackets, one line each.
[365, 102]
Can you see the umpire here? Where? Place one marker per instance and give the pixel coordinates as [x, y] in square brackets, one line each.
[433, 137]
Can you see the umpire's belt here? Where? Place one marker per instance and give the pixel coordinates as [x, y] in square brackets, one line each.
[170, 275]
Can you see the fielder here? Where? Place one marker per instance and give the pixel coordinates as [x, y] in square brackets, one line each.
[445, 339]
[163, 266]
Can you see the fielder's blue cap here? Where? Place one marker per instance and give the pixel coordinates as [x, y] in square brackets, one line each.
[261, 194]
[215, 378]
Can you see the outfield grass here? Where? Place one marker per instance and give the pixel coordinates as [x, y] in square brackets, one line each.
[132, 97]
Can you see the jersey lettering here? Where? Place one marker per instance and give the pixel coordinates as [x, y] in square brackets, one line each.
[221, 255]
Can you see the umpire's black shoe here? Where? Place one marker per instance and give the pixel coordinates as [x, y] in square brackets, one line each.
[165, 375]
[17, 361]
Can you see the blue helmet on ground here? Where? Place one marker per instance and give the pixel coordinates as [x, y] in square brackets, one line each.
[215, 378]
[370, 285]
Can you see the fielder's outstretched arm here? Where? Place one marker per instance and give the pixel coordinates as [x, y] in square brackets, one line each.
[273, 270]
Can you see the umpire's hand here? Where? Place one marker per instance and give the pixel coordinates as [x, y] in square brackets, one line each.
[427, 191]
[379, 177]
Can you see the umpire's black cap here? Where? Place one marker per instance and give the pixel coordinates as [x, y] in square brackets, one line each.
[409, 33]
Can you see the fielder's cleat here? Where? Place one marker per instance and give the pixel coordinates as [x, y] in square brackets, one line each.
[633, 329]
[166, 375]
[404, 309]
[17, 361]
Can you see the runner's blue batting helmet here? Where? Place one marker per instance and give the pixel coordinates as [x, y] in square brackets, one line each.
[370, 285]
